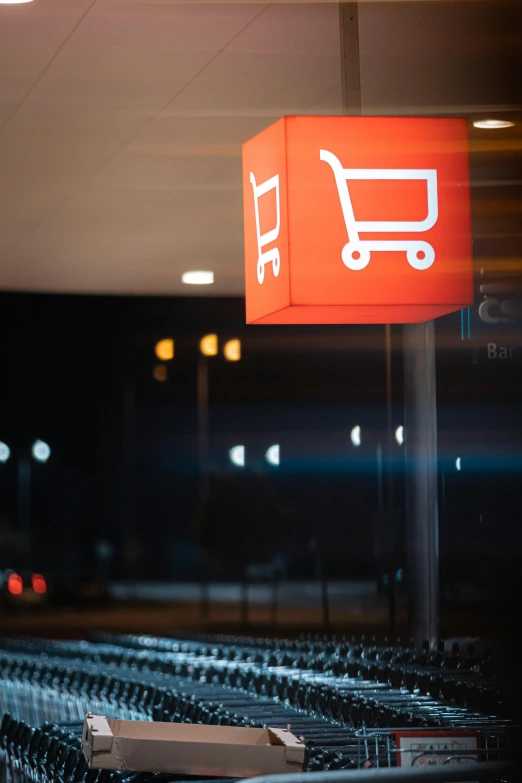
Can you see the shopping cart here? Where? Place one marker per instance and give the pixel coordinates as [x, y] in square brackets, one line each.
[388, 748]
[268, 256]
[356, 253]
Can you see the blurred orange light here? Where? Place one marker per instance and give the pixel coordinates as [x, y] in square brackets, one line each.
[39, 584]
[160, 373]
[209, 345]
[15, 584]
[164, 350]
[232, 350]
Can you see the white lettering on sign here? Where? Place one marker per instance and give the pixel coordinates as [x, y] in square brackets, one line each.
[500, 351]
[499, 309]
[421, 750]
[356, 253]
[266, 256]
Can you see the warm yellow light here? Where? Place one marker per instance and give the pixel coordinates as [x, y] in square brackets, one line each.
[165, 350]
[493, 124]
[232, 350]
[198, 277]
[209, 345]
[160, 373]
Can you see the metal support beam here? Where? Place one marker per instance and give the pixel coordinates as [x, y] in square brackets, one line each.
[129, 456]
[203, 430]
[390, 511]
[350, 61]
[420, 396]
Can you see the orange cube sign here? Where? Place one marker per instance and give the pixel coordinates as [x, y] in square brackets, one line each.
[357, 220]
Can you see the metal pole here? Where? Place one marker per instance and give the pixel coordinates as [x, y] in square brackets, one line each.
[421, 480]
[350, 64]
[244, 603]
[352, 105]
[24, 506]
[205, 600]
[325, 603]
[275, 601]
[129, 453]
[391, 532]
[203, 446]
[203, 431]
[379, 476]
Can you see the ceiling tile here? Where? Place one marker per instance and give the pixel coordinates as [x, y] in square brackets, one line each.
[122, 167]
[274, 66]
[40, 24]
[185, 26]
[330, 102]
[204, 131]
[111, 92]
[24, 60]
[57, 156]
[276, 97]
[27, 200]
[307, 28]
[157, 171]
[102, 62]
[44, 116]
[7, 108]
[14, 88]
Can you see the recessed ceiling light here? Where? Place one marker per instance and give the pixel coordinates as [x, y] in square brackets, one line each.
[493, 124]
[198, 277]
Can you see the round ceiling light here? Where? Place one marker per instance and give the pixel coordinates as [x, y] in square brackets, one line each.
[237, 456]
[493, 124]
[198, 277]
[41, 451]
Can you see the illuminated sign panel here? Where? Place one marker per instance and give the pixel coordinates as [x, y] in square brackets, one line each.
[357, 220]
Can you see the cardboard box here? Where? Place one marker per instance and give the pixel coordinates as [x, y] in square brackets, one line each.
[190, 749]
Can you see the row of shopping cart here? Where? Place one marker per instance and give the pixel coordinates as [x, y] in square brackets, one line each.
[349, 721]
[52, 752]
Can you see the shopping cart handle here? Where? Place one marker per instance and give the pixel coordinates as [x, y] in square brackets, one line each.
[441, 773]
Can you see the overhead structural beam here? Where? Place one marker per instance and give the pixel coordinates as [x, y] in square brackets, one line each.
[352, 105]
[350, 59]
[420, 400]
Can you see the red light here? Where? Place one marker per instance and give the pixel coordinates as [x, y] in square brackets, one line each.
[15, 584]
[39, 584]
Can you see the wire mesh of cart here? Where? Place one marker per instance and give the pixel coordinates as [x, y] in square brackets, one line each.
[407, 747]
[36, 703]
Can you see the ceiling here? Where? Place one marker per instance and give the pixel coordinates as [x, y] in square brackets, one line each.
[121, 124]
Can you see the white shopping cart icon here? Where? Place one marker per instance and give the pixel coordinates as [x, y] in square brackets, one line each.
[269, 256]
[356, 253]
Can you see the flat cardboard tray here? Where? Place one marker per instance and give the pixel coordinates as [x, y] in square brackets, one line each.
[189, 748]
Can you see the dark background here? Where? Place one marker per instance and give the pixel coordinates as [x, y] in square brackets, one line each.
[71, 367]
